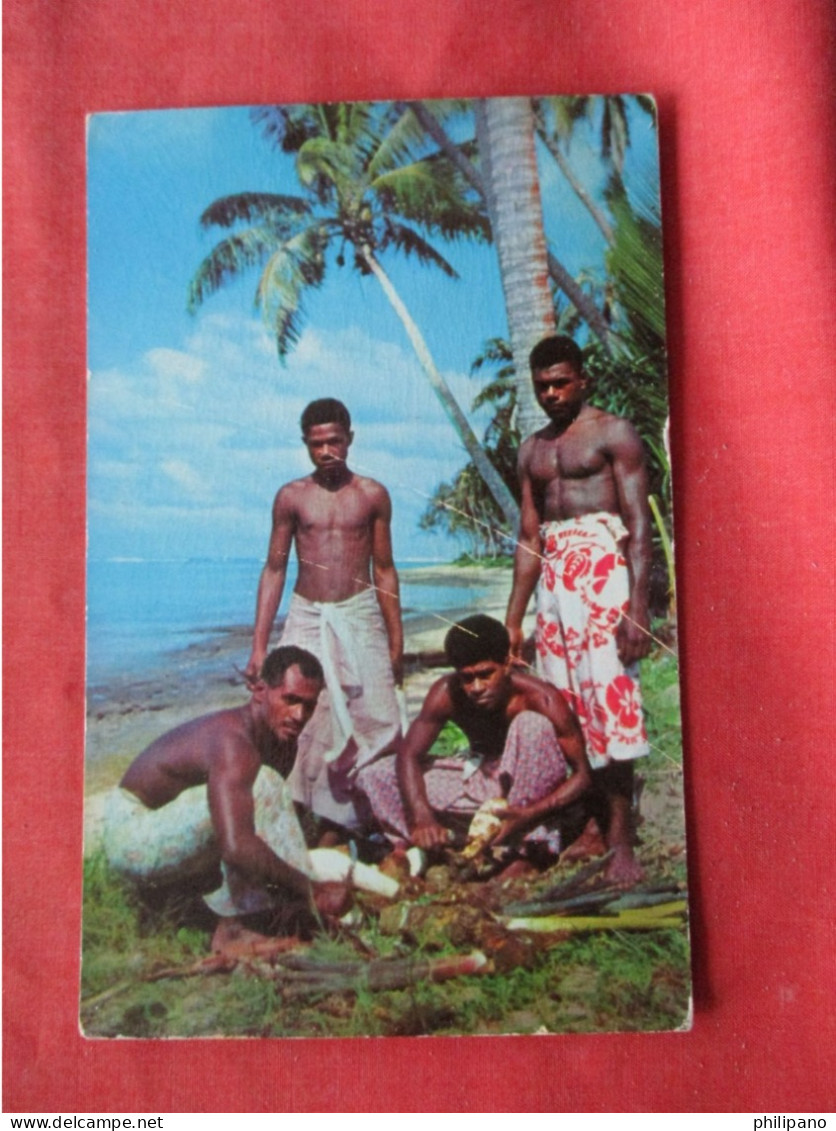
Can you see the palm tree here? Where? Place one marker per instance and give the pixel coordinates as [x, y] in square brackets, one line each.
[555, 120]
[427, 114]
[505, 134]
[463, 507]
[512, 203]
[369, 188]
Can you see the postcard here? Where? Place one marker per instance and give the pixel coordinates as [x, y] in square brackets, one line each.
[383, 730]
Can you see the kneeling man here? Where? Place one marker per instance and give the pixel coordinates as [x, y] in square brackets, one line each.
[213, 791]
[523, 739]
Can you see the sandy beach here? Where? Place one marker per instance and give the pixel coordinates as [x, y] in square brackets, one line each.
[126, 714]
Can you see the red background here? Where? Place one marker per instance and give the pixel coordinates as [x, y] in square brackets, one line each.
[745, 91]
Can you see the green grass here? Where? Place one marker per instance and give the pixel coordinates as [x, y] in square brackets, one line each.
[451, 741]
[660, 692]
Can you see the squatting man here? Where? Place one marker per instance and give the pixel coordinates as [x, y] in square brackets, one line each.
[212, 793]
[526, 749]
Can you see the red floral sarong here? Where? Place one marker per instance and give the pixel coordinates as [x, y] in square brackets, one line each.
[582, 595]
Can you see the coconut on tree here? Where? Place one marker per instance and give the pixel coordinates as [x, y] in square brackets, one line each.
[368, 188]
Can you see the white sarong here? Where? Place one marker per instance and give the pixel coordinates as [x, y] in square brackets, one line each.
[176, 843]
[357, 717]
[582, 596]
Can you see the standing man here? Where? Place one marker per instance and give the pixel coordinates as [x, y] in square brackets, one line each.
[345, 609]
[585, 535]
[213, 792]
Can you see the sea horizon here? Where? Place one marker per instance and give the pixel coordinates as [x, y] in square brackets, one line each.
[140, 612]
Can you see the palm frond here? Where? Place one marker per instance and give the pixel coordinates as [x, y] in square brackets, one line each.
[228, 259]
[250, 207]
[502, 386]
[635, 263]
[615, 132]
[363, 126]
[322, 158]
[287, 127]
[400, 143]
[494, 350]
[561, 114]
[430, 192]
[408, 241]
[293, 268]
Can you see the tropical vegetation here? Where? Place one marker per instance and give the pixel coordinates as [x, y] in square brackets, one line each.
[368, 188]
[378, 179]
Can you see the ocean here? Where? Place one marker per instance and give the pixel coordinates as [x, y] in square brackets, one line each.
[140, 612]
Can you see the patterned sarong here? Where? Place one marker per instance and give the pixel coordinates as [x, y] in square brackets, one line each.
[530, 768]
[176, 843]
[357, 717]
[582, 596]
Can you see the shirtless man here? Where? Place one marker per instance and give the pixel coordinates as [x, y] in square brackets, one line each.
[213, 791]
[345, 609]
[523, 741]
[585, 535]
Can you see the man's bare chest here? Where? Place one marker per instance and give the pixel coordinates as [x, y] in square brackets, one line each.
[565, 458]
[335, 513]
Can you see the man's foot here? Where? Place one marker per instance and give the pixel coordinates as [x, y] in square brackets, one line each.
[624, 869]
[590, 843]
[516, 869]
[231, 940]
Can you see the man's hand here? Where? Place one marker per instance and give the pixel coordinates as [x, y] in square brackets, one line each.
[253, 669]
[332, 899]
[633, 639]
[517, 638]
[430, 834]
[514, 819]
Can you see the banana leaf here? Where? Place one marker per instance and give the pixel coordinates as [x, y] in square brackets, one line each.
[661, 917]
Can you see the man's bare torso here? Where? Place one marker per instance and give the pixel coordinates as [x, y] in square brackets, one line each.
[486, 731]
[571, 471]
[185, 756]
[334, 530]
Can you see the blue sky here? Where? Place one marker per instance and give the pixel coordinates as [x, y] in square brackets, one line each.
[193, 422]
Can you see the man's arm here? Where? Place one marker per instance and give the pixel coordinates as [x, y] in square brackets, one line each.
[232, 774]
[549, 702]
[424, 829]
[630, 475]
[387, 586]
[526, 556]
[271, 582]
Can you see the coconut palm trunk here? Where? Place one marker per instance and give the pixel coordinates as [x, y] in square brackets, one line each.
[559, 275]
[505, 133]
[491, 476]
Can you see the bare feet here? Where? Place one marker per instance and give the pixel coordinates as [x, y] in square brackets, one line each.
[624, 869]
[333, 898]
[589, 843]
[231, 940]
[516, 869]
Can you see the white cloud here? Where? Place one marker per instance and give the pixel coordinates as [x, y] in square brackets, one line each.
[175, 364]
[185, 476]
[211, 430]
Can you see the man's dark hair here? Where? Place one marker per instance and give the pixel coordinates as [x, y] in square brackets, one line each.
[553, 350]
[327, 410]
[476, 639]
[280, 659]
